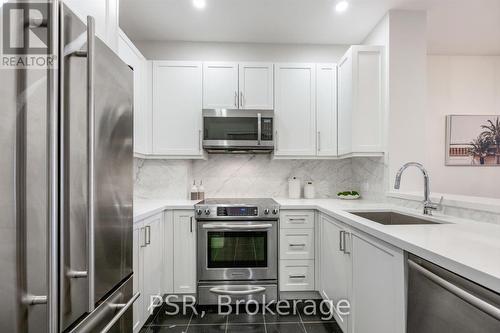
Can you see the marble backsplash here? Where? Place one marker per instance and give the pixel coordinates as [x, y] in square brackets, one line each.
[256, 176]
[262, 176]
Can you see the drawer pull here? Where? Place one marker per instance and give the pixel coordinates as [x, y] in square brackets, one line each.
[297, 276]
[297, 219]
[297, 245]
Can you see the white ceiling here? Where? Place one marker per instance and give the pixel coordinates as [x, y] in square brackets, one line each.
[453, 27]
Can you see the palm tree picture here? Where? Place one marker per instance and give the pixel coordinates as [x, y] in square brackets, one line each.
[473, 140]
[492, 133]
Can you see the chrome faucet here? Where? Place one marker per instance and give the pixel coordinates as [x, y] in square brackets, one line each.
[429, 206]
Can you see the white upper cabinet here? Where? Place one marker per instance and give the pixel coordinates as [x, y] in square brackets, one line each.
[256, 86]
[142, 110]
[220, 85]
[295, 104]
[105, 13]
[177, 108]
[326, 109]
[361, 100]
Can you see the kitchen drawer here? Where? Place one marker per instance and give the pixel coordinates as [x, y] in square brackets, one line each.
[297, 244]
[296, 275]
[297, 219]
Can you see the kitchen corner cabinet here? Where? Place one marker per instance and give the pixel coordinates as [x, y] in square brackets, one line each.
[184, 267]
[361, 101]
[295, 110]
[245, 86]
[147, 243]
[177, 105]
[367, 272]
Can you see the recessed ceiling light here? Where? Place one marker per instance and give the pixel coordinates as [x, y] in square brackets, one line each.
[341, 6]
[199, 4]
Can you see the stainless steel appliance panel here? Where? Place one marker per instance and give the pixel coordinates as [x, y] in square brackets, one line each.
[441, 301]
[263, 293]
[240, 130]
[234, 270]
[24, 200]
[113, 314]
[113, 170]
[74, 205]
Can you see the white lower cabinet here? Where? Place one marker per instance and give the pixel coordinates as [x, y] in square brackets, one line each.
[297, 251]
[366, 272]
[184, 252]
[297, 244]
[335, 266]
[378, 290]
[164, 255]
[148, 243]
[296, 275]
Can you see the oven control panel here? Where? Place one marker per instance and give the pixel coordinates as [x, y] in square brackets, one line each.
[237, 211]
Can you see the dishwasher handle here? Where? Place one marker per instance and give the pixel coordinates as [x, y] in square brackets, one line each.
[457, 291]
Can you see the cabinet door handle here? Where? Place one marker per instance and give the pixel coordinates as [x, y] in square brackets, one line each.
[297, 245]
[236, 99]
[297, 276]
[191, 224]
[148, 233]
[341, 241]
[241, 99]
[319, 141]
[199, 140]
[346, 243]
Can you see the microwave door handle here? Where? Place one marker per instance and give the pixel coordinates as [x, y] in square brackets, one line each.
[259, 128]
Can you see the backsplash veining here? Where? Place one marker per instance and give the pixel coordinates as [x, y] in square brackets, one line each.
[255, 176]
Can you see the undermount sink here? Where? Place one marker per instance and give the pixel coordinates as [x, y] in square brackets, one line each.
[393, 218]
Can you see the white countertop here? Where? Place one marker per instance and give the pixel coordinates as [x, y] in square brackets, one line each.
[468, 248]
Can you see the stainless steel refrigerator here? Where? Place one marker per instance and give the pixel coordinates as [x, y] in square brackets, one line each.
[66, 172]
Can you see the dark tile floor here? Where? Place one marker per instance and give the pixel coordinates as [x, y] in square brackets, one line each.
[212, 322]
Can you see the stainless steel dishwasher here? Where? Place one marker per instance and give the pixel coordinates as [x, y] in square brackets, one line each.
[441, 301]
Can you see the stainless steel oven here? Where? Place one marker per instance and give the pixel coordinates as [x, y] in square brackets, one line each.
[238, 130]
[237, 249]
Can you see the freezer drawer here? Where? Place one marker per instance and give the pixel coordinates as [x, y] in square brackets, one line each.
[441, 301]
[113, 313]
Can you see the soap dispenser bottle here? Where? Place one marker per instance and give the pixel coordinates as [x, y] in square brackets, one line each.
[194, 191]
[201, 191]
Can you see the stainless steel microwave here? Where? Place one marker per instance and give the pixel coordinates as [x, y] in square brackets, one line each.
[238, 130]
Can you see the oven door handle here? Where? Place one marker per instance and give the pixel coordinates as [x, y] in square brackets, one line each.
[220, 291]
[238, 226]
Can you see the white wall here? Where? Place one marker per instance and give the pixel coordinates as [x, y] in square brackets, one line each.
[460, 85]
[206, 51]
[403, 33]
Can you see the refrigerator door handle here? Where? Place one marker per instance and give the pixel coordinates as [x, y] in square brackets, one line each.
[91, 140]
[123, 308]
[90, 55]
